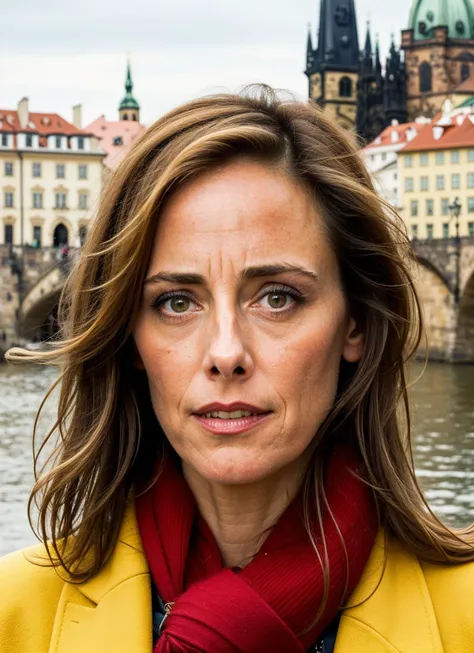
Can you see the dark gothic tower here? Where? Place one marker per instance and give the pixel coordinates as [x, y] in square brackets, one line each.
[395, 88]
[332, 68]
[380, 98]
[370, 93]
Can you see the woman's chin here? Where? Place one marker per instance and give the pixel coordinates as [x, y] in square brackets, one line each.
[232, 468]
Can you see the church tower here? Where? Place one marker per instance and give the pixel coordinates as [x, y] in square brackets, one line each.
[129, 109]
[370, 93]
[395, 87]
[332, 67]
[439, 53]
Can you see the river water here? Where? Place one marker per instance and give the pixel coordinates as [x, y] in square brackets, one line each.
[443, 405]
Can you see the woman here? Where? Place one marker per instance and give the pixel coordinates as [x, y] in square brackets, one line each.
[233, 471]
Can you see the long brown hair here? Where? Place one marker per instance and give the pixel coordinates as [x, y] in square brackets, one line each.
[105, 446]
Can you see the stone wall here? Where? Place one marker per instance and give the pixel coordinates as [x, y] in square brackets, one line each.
[9, 301]
[438, 314]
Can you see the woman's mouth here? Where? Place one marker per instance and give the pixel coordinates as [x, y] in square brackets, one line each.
[235, 422]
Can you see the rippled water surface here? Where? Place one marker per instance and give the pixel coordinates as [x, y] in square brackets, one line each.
[443, 402]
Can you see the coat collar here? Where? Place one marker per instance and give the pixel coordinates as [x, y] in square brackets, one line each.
[392, 610]
[112, 611]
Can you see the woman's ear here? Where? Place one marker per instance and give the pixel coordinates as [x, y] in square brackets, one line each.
[354, 343]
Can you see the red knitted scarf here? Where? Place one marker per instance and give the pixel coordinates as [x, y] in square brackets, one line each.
[271, 604]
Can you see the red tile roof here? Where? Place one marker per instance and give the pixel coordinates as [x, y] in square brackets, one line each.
[107, 131]
[44, 124]
[385, 137]
[467, 86]
[458, 132]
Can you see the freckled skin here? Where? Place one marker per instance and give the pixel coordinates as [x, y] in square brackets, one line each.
[219, 224]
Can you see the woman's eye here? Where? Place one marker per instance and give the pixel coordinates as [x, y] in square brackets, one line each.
[277, 300]
[175, 305]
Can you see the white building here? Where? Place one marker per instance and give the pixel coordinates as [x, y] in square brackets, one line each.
[381, 158]
[50, 178]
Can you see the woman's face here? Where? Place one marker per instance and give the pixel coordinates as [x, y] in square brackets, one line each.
[243, 323]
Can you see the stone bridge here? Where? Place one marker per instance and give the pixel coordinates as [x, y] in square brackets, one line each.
[447, 298]
[31, 282]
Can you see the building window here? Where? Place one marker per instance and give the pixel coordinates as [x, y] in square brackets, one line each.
[414, 208]
[4, 140]
[470, 156]
[37, 200]
[384, 156]
[409, 186]
[424, 183]
[82, 172]
[8, 169]
[470, 204]
[455, 156]
[58, 142]
[414, 231]
[456, 182]
[470, 228]
[118, 140]
[439, 158]
[429, 231]
[470, 179]
[60, 171]
[446, 230]
[444, 206]
[9, 200]
[408, 161]
[60, 201]
[83, 201]
[37, 236]
[426, 77]
[8, 234]
[29, 140]
[465, 72]
[440, 182]
[424, 159]
[36, 169]
[345, 88]
[429, 207]
[80, 143]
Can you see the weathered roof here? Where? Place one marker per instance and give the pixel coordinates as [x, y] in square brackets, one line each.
[456, 15]
[108, 131]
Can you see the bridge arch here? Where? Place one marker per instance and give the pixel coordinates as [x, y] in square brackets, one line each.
[464, 342]
[41, 300]
[437, 309]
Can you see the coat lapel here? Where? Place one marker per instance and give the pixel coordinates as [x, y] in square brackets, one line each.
[111, 612]
[395, 614]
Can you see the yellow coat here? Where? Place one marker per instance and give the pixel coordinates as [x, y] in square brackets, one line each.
[417, 608]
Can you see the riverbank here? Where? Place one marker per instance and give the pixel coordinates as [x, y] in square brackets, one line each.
[443, 437]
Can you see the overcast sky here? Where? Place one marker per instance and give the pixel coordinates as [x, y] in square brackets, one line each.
[60, 53]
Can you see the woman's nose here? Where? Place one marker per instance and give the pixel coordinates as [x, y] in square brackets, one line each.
[228, 355]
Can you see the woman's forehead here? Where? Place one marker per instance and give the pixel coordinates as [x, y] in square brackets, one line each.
[243, 211]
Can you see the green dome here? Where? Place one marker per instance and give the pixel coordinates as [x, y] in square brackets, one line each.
[457, 15]
[129, 101]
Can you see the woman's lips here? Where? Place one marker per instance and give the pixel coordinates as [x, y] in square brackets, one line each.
[230, 426]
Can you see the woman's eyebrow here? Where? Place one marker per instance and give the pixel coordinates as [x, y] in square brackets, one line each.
[253, 272]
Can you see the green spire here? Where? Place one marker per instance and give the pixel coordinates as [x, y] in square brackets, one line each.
[456, 15]
[129, 101]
